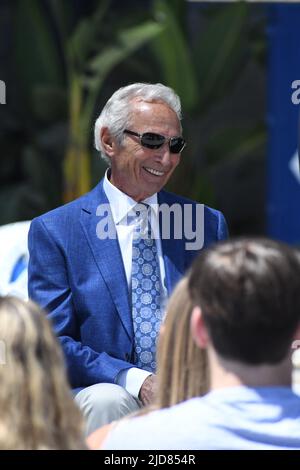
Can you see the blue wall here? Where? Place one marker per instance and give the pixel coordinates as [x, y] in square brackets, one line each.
[283, 185]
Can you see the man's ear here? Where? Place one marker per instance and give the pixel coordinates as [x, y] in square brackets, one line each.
[107, 141]
[198, 328]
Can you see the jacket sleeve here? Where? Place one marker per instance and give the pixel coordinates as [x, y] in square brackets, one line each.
[48, 286]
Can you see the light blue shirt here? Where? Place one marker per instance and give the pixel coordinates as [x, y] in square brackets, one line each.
[121, 205]
[228, 418]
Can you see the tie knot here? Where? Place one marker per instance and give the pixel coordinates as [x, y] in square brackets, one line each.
[141, 209]
[138, 214]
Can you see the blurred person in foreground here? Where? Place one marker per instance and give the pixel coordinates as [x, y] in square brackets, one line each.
[37, 408]
[104, 265]
[246, 315]
[181, 366]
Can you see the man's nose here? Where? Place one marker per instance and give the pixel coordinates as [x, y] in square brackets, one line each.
[164, 154]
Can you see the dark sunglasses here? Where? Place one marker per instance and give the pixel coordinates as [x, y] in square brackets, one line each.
[151, 140]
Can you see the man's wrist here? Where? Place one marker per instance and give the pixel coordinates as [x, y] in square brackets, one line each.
[132, 380]
[150, 375]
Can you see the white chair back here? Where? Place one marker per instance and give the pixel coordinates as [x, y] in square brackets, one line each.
[14, 258]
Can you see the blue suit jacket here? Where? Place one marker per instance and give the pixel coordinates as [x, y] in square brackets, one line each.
[80, 280]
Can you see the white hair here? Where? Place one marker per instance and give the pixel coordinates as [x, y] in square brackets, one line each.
[116, 114]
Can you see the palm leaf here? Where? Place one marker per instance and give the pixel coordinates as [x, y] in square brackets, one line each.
[172, 50]
[84, 38]
[35, 47]
[128, 41]
[219, 52]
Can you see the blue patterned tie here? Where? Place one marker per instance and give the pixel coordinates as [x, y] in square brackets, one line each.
[146, 291]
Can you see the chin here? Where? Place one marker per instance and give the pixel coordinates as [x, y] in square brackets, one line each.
[154, 189]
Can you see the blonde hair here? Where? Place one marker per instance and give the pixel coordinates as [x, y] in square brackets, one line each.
[37, 408]
[182, 367]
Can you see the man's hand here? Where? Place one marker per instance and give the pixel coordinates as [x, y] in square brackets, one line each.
[148, 390]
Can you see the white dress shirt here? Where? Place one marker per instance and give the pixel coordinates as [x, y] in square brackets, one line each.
[121, 204]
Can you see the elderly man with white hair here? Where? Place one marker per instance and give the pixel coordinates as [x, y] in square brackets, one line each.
[104, 265]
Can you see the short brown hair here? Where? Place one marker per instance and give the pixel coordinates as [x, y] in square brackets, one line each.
[249, 293]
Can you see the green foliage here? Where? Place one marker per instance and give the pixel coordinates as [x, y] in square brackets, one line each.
[175, 57]
[65, 66]
[36, 53]
[127, 41]
[204, 70]
[62, 63]
[220, 53]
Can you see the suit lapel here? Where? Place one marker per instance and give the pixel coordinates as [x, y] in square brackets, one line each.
[106, 252]
[173, 249]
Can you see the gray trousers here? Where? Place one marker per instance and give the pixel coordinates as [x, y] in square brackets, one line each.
[103, 403]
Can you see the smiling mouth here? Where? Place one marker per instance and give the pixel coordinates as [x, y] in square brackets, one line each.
[153, 172]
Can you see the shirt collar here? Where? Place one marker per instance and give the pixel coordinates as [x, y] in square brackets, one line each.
[121, 203]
